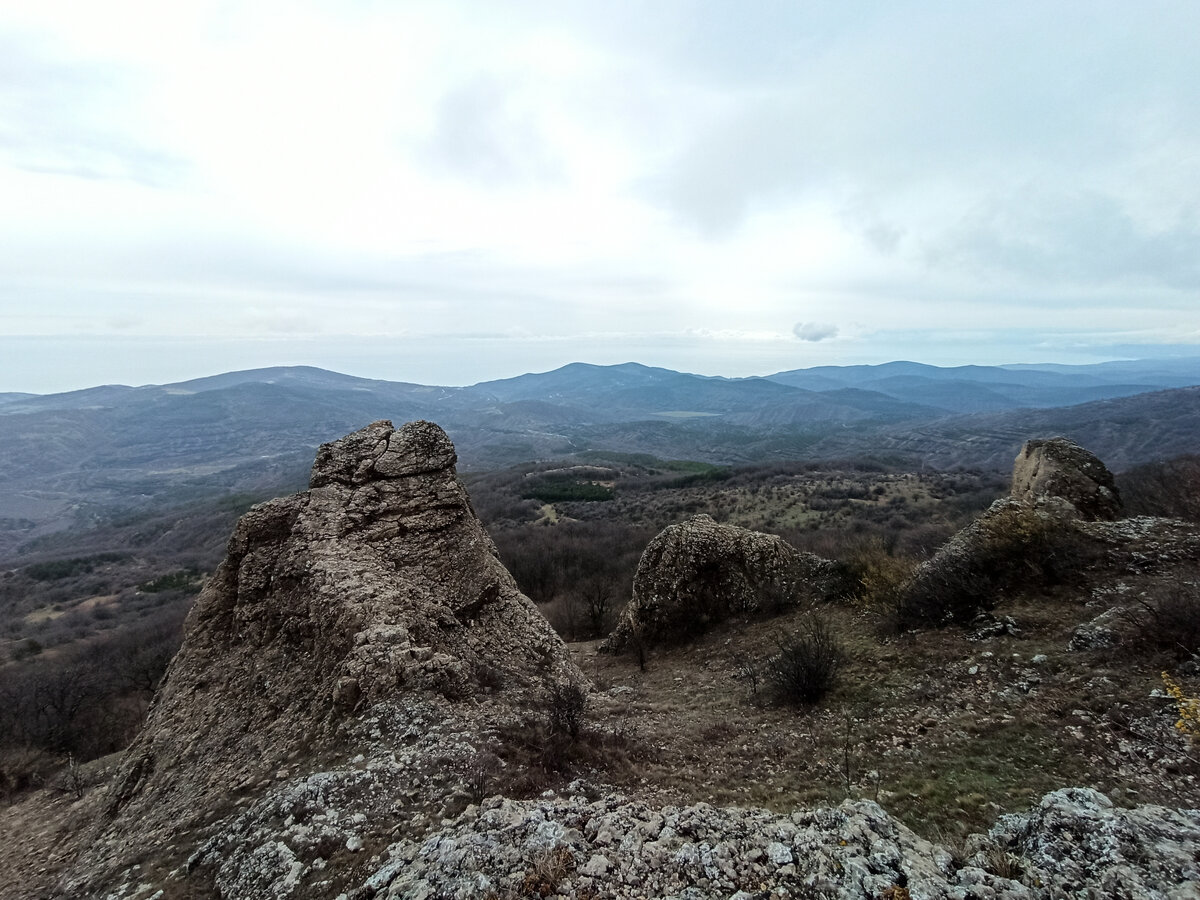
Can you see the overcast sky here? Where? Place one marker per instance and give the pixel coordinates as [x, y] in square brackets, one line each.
[450, 192]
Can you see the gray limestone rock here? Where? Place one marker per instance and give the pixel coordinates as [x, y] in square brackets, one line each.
[1059, 470]
[1074, 844]
[700, 572]
[377, 582]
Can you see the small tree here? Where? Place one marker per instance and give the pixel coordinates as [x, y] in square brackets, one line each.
[597, 605]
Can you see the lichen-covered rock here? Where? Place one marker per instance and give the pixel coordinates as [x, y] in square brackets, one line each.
[1074, 844]
[378, 581]
[1057, 470]
[700, 572]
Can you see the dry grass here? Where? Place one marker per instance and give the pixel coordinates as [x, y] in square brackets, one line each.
[944, 748]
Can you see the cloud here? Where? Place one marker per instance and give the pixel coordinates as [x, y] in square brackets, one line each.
[75, 118]
[1084, 238]
[814, 332]
[484, 133]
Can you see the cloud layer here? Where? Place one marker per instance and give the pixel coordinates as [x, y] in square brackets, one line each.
[943, 181]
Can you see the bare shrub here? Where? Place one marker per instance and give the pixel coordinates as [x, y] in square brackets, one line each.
[546, 872]
[480, 774]
[1168, 619]
[748, 669]
[807, 665]
[599, 601]
[565, 706]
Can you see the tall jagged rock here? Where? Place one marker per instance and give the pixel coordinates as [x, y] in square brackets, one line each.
[378, 582]
[1059, 470]
[699, 572]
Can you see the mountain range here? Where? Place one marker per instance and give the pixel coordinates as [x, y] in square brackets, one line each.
[75, 457]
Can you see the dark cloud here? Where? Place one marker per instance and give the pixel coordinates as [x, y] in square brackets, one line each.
[814, 332]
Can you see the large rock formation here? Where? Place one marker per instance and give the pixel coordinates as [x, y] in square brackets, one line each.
[376, 586]
[700, 572]
[1028, 538]
[1060, 470]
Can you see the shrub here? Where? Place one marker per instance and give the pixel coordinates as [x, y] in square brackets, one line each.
[565, 707]
[1005, 551]
[873, 577]
[1188, 707]
[187, 580]
[1169, 488]
[1169, 619]
[807, 665]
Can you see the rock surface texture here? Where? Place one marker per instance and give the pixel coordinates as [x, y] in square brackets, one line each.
[1074, 844]
[377, 583]
[1061, 469]
[699, 572]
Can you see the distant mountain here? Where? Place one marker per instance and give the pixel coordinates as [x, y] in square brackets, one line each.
[74, 457]
[1124, 432]
[969, 389]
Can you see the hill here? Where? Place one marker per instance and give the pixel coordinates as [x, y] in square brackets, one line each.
[79, 458]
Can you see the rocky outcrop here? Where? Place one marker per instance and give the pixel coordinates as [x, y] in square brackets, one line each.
[1075, 843]
[700, 572]
[1060, 471]
[377, 583]
[1060, 530]
[1034, 537]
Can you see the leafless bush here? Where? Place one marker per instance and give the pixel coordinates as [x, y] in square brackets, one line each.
[748, 669]
[807, 664]
[481, 772]
[566, 703]
[1167, 618]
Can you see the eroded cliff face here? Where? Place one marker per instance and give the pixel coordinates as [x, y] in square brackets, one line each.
[376, 586]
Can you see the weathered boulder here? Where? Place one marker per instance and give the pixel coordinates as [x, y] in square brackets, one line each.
[699, 572]
[378, 583]
[1058, 470]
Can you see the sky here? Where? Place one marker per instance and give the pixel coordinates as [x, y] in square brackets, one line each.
[449, 192]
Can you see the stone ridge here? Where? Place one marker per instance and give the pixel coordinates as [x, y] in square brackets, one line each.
[378, 581]
[700, 572]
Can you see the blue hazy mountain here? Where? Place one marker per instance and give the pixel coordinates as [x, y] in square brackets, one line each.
[72, 457]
